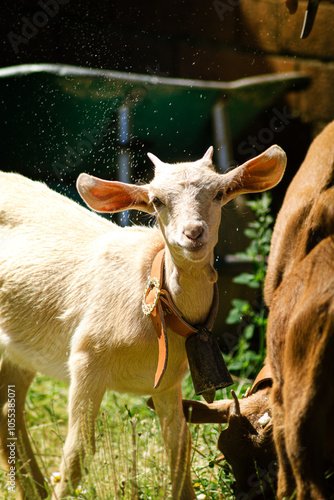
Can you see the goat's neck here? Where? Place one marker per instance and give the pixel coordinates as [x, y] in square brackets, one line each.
[190, 287]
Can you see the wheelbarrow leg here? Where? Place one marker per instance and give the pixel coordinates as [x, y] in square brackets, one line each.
[222, 136]
[124, 154]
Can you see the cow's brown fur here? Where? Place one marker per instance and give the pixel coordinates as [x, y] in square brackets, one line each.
[300, 335]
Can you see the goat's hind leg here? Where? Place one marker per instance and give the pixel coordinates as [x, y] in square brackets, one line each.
[16, 450]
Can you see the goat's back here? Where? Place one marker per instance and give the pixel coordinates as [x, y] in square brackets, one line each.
[62, 271]
[35, 206]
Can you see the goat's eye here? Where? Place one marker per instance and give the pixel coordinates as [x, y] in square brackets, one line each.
[157, 202]
[219, 195]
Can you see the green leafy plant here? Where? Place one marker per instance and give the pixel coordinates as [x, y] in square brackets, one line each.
[252, 317]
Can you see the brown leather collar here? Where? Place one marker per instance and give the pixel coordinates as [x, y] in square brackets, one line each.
[158, 304]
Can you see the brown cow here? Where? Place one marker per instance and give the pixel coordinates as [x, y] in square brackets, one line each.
[300, 337]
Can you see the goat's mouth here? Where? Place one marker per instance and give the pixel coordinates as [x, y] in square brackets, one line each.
[192, 246]
[195, 250]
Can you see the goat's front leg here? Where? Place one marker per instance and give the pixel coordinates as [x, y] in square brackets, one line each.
[177, 440]
[14, 385]
[86, 393]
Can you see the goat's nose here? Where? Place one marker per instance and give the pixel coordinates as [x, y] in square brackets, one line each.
[193, 232]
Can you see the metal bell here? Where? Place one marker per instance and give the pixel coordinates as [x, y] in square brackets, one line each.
[207, 366]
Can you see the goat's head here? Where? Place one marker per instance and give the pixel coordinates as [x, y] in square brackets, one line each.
[186, 197]
[247, 442]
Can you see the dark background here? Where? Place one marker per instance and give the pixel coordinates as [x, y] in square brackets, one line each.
[219, 40]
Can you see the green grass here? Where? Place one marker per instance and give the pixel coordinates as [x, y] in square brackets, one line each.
[130, 460]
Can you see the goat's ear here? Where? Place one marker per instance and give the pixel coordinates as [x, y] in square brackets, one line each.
[258, 174]
[112, 196]
[198, 412]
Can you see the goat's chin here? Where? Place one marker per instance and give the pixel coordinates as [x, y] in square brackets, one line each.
[195, 254]
[190, 253]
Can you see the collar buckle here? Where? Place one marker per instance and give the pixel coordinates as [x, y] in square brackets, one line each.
[148, 308]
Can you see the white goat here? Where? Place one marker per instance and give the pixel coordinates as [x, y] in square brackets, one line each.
[71, 287]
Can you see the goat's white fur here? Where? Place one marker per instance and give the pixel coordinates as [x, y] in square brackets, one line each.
[71, 285]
